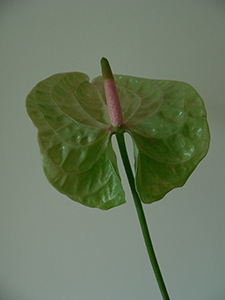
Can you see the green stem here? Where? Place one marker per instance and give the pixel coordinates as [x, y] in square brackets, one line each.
[141, 216]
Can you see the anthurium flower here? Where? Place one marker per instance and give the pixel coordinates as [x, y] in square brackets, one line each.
[166, 120]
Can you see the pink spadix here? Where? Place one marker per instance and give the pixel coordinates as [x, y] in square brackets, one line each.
[111, 94]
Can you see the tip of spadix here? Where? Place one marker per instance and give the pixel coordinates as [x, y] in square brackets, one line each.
[106, 69]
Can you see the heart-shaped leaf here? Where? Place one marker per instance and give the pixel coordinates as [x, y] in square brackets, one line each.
[74, 140]
[166, 120]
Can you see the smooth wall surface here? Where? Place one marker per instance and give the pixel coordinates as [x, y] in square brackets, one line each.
[54, 248]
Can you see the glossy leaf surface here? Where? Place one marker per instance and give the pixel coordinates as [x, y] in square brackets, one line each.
[166, 119]
[74, 140]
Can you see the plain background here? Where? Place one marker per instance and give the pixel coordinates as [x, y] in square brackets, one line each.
[54, 248]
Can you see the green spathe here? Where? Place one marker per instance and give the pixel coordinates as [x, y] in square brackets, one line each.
[166, 120]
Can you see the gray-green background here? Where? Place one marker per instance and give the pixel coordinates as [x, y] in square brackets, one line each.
[53, 248]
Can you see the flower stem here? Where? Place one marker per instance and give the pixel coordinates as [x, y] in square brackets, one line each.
[141, 216]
